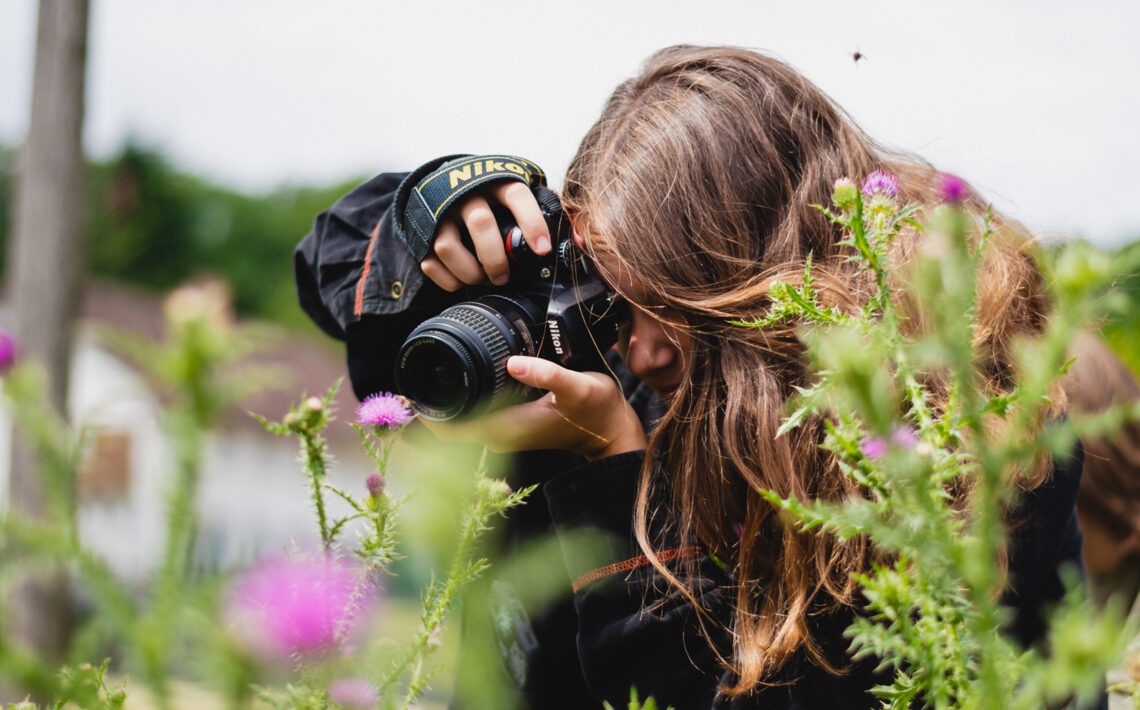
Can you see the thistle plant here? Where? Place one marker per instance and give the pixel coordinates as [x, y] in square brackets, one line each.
[908, 417]
[307, 615]
[380, 420]
[198, 368]
[1131, 686]
[635, 703]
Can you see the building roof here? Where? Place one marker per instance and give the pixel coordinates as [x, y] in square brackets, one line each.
[301, 364]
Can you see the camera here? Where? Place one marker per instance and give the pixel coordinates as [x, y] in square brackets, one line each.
[553, 307]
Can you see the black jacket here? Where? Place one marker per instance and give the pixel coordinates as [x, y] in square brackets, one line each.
[357, 281]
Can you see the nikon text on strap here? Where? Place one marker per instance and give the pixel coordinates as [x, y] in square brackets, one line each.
[444, 185]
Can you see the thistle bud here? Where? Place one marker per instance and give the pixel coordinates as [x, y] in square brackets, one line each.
[845, 193]
[494, 490]
[375, 484]
[311, 411]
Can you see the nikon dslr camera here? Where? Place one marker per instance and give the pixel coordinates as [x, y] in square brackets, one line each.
[553, 307]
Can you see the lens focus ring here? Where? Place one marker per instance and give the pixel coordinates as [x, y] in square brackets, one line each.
[496, 344]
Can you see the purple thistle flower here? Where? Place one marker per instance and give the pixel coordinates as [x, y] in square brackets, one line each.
[874, 447]
[384, 409]
[954, 189]
[356, 693]
[7, 350]
[881, 183]
[306, 607]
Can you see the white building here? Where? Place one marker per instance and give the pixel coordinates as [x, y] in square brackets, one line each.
[253, 500]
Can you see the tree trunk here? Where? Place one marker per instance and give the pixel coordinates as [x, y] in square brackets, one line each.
[44, 277]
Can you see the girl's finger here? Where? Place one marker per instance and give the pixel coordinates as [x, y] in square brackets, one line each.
[519, 199]
[458, 260]
[484, 230]
[434, 269]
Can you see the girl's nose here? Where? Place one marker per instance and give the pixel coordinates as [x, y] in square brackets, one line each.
[650, 349]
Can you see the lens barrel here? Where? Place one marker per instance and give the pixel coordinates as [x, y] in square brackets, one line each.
[456, 361]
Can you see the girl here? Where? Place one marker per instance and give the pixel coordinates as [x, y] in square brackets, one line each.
[692, 193]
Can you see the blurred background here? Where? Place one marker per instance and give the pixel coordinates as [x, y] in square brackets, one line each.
[213, 132]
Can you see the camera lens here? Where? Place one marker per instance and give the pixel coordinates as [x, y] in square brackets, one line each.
[456, 361]
[440, 371]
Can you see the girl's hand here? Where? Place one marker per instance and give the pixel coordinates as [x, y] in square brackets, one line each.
[452, 265]
[583, 412]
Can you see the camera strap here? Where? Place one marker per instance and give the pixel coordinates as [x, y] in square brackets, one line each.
[439, 189]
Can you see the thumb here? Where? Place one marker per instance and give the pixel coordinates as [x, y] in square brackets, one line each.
[537, 372]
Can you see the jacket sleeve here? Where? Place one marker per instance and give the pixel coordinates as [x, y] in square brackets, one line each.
[633, 632]
[358, 282]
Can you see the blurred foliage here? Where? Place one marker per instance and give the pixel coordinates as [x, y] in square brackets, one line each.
[280, 630]
[933, 592]
[1122, 332]
[152, 225]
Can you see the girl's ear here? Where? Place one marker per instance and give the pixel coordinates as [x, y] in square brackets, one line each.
[578, 240]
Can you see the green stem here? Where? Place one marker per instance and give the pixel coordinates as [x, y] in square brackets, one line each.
[316, 468]
[439, 598]
[156, 627]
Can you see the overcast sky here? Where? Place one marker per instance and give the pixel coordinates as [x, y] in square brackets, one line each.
[1035, 102]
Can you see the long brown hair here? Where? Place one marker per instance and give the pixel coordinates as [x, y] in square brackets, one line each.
[699, 178]
[1109, 500]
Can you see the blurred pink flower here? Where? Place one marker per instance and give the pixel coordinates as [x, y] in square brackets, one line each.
[7, 350]
[356, 693]
[384, 409]
[297, 606]
[954, 189]
[902, 437]
[874, 447]
[881, 183]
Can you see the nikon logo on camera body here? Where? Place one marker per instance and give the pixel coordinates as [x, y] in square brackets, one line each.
[463, 173]
[555, 336]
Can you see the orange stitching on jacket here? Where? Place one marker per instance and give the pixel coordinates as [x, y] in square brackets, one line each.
[633, 563]
[359, 309]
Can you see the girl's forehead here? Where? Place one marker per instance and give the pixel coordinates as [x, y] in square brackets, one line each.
[621, 278]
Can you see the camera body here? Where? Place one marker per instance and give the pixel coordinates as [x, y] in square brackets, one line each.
[553, 307]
